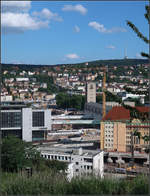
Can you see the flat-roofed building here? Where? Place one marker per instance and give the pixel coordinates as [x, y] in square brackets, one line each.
[83, 161]
[26, 123]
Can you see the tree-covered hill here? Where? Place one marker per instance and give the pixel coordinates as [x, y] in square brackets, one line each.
[117, 62]
[112, 62]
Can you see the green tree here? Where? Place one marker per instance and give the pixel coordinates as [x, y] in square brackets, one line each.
[64, 101]
[138, 33]
[99, 99]
[13, 154]
[17, 154]
[147, 41]
[56, 165]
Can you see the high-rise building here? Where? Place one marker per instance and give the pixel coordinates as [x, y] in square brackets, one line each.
[91, 92]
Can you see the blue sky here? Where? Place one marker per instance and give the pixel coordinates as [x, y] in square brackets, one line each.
[52, 32]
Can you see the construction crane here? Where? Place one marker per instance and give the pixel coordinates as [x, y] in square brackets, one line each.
[104, 93]
[103, 106]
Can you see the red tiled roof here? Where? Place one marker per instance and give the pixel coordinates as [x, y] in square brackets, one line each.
[142, 109]
[121, 113]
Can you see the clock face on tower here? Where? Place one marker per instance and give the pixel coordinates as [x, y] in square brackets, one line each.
[91, 86]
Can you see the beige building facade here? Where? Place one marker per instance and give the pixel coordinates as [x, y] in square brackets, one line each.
[116, 136]
[91, 92]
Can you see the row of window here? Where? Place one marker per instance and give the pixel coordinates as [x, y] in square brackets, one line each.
[65, 158]
[11, 119]
[109, 145]
[14, 119]
[109, 126]
[109, 140]
[85, 167]
[108, 131]
[128, 137]
[108, 135]
[55, 157]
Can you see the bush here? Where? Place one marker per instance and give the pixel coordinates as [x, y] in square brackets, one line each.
[55, 183]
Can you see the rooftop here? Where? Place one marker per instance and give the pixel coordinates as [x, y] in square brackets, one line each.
[121, 113]
[68, 151]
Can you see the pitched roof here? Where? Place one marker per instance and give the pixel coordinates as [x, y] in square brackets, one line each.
[121, 113]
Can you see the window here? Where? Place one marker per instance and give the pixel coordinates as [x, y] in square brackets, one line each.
[37, 135]
[38, 119]
[77, 163]
[66, 158]
[90, 160]
[11, 119]
[52, 157]
[77, 170]
[48, 156]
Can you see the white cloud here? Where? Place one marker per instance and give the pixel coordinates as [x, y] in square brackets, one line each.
[111, 47]
[78, 8]
[15, 17]
[15, 6]
[100, 28]
[76, 29]
[46, 13]
[21, 22]
[72, 56]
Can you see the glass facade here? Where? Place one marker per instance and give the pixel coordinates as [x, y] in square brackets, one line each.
[17, 133]
[37, 135]
[38, 119]
[11, 119]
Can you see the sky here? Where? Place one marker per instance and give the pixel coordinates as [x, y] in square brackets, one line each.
[63, 32]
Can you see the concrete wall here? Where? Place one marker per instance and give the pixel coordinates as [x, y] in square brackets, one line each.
[70, 171]
[98, 164]
[47, 119]
[27, 124]
[91, 92]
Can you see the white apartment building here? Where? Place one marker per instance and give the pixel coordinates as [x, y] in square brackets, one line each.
[82, 161]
